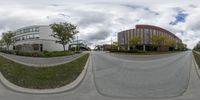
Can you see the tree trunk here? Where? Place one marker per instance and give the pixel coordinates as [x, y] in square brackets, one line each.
[64, 47]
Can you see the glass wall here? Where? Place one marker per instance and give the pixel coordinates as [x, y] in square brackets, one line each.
[27, 37]
[27, 30]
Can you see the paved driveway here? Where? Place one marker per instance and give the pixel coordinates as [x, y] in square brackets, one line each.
[87, 91]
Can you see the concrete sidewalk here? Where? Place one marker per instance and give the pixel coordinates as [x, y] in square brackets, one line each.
[41, 62]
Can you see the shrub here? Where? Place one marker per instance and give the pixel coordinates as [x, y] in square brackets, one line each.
[39, 54]
[8, 51]
[57, 53]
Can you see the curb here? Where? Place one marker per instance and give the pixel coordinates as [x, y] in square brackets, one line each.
[41, 65]
[68, 87]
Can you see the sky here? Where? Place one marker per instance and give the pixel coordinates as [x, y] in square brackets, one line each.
[98, 21]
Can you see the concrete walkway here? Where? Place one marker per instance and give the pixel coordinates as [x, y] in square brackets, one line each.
[41, 62]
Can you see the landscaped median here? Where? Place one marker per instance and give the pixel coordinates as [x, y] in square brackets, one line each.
[197, 58]
[42, 77]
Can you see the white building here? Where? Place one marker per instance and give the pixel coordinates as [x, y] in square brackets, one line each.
[36, 38]
[81, 43]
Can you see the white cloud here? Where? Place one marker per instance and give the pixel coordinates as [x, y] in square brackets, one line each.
[98, 21]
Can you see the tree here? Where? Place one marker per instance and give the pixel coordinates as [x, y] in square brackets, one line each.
[180, 46]
[8, 39]
[1, 44]
[64, 32]
[134, 41]
[158, 40]
[115, 45]
[170, 43]
[197, 47]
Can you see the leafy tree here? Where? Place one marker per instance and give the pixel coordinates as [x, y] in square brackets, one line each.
[197, 47]
[170, 43]
[64, 32]
[115, 45]
[1, 44]
[8, 39]
[158, 40]
[180, 46]
[134, 41]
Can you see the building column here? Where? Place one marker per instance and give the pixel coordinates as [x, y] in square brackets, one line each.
[144, 48]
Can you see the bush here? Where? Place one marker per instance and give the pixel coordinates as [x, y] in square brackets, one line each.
[39, 54]
[8, 51]
[30, 54]
[58, 53]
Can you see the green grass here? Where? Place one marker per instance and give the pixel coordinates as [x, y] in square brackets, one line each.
[42, 78]
[197, 58]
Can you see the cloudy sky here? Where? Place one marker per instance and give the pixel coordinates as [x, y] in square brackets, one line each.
[99, 20]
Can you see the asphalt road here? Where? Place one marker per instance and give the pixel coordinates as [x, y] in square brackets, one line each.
[165, 77]
[99, 84]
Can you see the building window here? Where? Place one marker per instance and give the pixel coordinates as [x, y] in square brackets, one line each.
[147, 36]
[17, 39]
[24, 30]
[37, 29]
[28, 36]
[20, 37]
[31, 29]
[36, 47]
[31, 36]
[36, 36]
[24, 37]
[20, 31]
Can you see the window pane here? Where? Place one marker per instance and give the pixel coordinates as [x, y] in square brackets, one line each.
[31, 36]
[36, 36]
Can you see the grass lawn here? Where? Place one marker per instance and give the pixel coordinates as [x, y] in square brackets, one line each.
[197, 58]
[42, 78]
